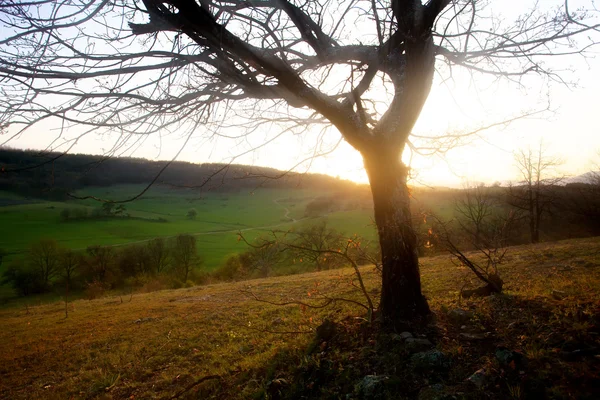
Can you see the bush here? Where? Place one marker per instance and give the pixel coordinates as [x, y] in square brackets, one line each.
[233, 269]
[154, 285]
[24, 281]
[94, 290]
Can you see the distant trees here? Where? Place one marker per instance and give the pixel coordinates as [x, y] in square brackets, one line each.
[534, 195]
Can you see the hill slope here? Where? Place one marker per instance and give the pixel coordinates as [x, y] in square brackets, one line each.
[218, 342]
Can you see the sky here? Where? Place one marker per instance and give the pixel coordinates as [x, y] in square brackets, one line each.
[569, 131]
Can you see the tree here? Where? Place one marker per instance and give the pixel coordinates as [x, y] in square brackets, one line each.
[311, 241]
[365, 67]
[185, 256]
[44, 257]
[158, 255]
[100, 263]
[534, 195]
[69, 264]
[191, 214]
[484, 226]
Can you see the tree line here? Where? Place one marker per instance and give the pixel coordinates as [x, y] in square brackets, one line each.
[51, 175]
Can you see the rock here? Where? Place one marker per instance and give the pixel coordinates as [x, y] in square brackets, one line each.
[479, 378]
[326, 330]
[473, 336]
[506, 357]
[430, 360]
[460, 316]
[371, 387]
[406, 335]
[558, 295]
[142, 320]
[401, 337]
[277, 321]
[418, 344]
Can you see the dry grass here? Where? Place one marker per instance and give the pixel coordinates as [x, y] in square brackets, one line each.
[159, 344]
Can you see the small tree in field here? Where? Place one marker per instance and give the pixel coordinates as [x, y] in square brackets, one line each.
[100, 263]
[230, 69]
[311, 240]
[70, 262]
[44, 257]
[191, 214]
[483, 225]
[535, 194]
[185, 256]
[158, 255]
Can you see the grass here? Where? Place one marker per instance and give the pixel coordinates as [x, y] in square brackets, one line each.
[162, 344]
[220, 216]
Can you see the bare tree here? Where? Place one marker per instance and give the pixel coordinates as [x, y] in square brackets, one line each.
[158, 255]
[69, 264]
[185, 255]
[100, 263]
[365, 67]
[311, 240]
[484, 226]
[44, 257]
[535, 194]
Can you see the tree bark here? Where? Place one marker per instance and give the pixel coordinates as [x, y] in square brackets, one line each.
[401, 298]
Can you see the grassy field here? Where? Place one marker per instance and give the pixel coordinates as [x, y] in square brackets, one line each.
[219, 217]
[217, 341]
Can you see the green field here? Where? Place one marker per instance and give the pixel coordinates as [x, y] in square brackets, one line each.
[219, 217]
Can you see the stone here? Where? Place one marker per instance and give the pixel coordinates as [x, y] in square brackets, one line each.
[431, 360]
[418, 344]
[473, 336]
[505, 357]
[479, 378]
[405, 335]
[460, 316]
[371, 387]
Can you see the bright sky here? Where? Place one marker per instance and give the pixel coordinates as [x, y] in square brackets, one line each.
[570, 132]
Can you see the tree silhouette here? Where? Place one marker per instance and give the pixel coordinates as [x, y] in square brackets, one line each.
[364, 67]
[534, 195]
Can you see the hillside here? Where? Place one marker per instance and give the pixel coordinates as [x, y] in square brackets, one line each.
[51, 175]
[538, 340]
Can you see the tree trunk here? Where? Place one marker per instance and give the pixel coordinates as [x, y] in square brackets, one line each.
[401, 297]
[67, 300]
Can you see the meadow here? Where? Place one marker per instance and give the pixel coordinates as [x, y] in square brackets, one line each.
[218, 341]
[219, 217]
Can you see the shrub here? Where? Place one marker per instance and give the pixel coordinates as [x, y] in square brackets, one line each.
[24, 281]
[154, 285]
[94, 290]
